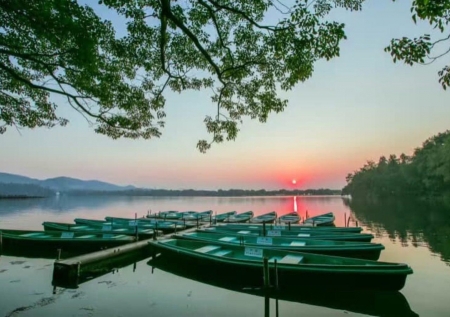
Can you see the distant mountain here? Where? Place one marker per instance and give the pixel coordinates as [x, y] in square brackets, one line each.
[17, 179]
[63, 184]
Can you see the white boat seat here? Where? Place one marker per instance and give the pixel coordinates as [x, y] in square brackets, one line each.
[207, 248]
[228, 239]
[244, 232]
[298, 243]
[87, 236]
[222, 252]
[291, 259]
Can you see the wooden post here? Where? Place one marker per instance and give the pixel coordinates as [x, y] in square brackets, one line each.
[266, 305]
[345, 219]
[155, 231]
[276, 274]
[1, 242]
[357, 223]
[264, 228]
[136, 227]
[266, 273]
[289, 225]
[59, 255]
[197, 222]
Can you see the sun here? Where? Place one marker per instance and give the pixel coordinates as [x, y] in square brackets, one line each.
[294, 181]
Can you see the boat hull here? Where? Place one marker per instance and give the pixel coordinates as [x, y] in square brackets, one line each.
[357, 237]
[293, 228]
[142, 234]
[12, 244]
[367, 252]
[289, 279]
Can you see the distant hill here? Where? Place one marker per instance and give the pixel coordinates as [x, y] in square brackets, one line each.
[63, 184]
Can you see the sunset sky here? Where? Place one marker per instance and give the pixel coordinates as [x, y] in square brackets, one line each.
[356, 107]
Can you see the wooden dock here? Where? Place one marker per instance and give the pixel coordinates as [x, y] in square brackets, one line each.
[69, 272]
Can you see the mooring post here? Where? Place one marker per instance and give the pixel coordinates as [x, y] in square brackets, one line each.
[348, 221]
[266, 273]
[289, 225]
[197, 222]
[314, 223]
[276, 274]
[184, 223]
[264, 228]
[345, 219]
[112, 223]
[210, 219]
[1, 242]
[78, 270]
[356, 223]
[136, 226]
[155, 232]
[59, 255]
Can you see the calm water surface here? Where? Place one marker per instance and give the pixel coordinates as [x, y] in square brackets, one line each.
[412, 232]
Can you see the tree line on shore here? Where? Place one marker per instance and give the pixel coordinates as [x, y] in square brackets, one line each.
[29, 190]
[425, 173]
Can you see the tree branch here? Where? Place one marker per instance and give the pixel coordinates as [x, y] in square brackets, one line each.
[245, 16]
[166, 11]
[216, 25]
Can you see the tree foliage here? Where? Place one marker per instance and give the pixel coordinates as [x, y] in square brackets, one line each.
[59, 47]
[426, 172]
[424, 49]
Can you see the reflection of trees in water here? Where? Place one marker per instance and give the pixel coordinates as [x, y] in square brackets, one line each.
[411, 222]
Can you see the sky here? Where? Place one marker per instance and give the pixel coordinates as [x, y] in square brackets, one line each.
[354, 108]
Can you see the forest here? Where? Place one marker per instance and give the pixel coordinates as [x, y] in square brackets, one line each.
[208, 193]
[425, 173]
[24, 191]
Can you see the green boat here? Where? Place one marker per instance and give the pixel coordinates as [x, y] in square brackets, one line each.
[309, 270]
[265, 218]
[320, 220]
[129, 231]
[290, 218]
[242, 217]
[162, 226]
[289, 227]
[224, 216]
[26, 241]
[194, 215]
[321, 235]
[169, 215]
[359, 250]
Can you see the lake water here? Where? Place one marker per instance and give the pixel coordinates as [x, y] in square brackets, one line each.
[413, 232]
